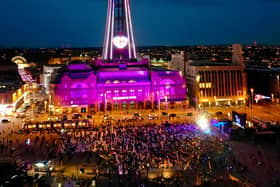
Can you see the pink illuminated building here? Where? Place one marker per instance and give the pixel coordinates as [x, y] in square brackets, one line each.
[119, 81]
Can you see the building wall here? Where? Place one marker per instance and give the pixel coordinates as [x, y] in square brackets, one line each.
[47, 73]
[91, 92]
[177, 62]
[64, 60]
[11, 100]
[212, 85]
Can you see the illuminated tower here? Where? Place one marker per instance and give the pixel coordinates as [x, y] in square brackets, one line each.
[119, 39]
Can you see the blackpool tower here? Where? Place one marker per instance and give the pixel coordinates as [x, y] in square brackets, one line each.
[119, 40]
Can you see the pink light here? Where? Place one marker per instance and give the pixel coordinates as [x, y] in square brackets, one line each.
[108, 26]
[112, 30]
[128, 34]
[120, 41]
[132, 37]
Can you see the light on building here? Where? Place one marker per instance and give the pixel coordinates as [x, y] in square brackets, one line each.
[197, 78]
[120, 41]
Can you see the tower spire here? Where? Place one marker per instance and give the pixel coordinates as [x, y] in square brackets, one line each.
[119, 39]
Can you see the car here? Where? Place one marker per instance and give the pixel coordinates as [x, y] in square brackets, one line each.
[219, 113]
[172, 115]
[20, 131]
[189, 114]
[43, 166]
[164, 113]
[152, 117]
[107, 117]
[20, 115]
[5, 121]
[136, 114]
[77, 116]
[89, 116]
[64, 117]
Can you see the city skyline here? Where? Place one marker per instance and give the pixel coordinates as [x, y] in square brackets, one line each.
[81, 24]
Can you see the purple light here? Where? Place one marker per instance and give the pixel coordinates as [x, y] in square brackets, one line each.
[137, 83]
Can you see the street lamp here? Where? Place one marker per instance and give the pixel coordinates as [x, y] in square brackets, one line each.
[105, 103]
[166, 103]
[158, 97]
[252, 99]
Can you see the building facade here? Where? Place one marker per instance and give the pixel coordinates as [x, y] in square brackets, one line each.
[12, 88]
[48, 70]
[217, 84]
[81, 88]
[177, 62]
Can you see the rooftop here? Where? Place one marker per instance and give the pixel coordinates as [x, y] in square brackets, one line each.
[208, 63]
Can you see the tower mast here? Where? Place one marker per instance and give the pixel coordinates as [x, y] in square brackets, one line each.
[119, 39]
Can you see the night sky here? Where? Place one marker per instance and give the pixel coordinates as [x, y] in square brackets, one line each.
[81, 23]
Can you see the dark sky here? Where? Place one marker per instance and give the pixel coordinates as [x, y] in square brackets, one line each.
[81, 23]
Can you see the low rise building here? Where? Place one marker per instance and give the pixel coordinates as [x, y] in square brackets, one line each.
[126, 86]
[217, 84]
[12, 88]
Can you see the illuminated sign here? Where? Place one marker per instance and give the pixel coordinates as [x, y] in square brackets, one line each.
[123, 98]
[259, 97]
[120, 41]
[239, 119]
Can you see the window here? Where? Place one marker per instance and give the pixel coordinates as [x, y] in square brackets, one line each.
[124, 92]
[131, 92]
[140, 92]
[116, 93]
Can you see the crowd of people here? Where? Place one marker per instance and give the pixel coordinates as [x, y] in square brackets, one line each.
[149, 147]
[140, 146]
[125, 148]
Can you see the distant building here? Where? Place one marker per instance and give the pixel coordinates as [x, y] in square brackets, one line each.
[12, 88]
[20, 61]
[159, 63]
[64, 60]
[216, 84]
[177, 62]
[48, 70]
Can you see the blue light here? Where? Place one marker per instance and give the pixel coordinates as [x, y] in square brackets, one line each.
[208, 131]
